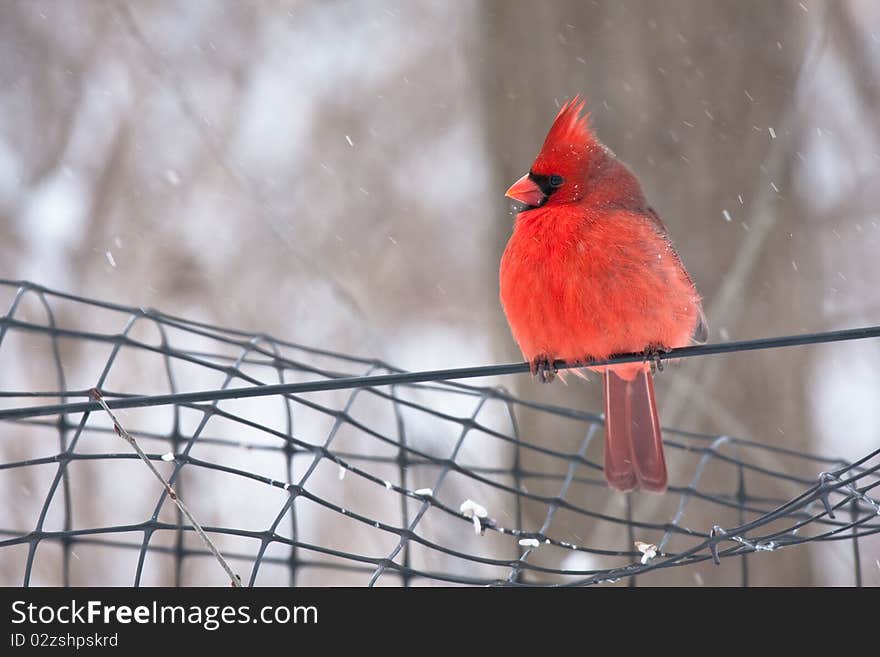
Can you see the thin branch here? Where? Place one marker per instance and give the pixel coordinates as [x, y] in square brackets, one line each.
[234, 579]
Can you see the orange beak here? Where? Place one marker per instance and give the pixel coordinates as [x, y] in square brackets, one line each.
[526, 191]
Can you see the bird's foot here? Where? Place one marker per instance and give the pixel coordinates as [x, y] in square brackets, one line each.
[544, 368]
[654, 355]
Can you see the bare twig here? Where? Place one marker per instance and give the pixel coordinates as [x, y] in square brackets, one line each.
[122, 433]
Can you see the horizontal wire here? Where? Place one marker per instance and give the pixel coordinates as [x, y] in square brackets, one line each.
[399, 378]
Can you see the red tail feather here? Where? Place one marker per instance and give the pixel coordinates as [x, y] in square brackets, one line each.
[633, 444]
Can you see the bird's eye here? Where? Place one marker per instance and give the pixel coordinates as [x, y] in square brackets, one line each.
[556, 180]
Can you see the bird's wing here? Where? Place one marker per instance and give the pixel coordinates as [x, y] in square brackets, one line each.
[701, 331]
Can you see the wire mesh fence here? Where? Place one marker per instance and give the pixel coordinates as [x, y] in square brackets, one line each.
[404, 483]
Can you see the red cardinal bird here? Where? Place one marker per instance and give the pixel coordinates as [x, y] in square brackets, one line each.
[590, 272]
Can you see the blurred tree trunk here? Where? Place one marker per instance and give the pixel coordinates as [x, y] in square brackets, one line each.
[684, 105]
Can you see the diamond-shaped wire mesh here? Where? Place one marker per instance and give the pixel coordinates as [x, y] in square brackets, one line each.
[396, 485]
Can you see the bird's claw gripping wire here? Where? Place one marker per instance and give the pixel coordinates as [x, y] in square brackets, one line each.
[544, 368]
[654, 355]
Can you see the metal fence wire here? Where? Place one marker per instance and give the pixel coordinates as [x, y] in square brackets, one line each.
[332, 482]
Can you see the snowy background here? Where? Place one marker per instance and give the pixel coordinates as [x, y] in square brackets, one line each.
[333, 173]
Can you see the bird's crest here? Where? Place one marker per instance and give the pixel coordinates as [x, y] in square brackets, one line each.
[572, 125]
[569, 139]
